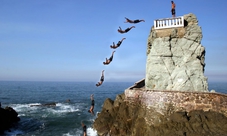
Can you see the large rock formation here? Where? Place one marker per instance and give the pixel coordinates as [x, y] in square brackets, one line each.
[8, 116]
[173, 99]
[127, 118]
[175, 58]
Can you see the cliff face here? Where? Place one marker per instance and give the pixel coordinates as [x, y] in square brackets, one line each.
[175, 58]
[173, 99]
[131, 118]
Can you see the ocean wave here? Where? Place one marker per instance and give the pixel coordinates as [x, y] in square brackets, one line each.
[59, 109]
[23, 107]
[78, 132]
[67, 108]
[91, 132]
[68, 134]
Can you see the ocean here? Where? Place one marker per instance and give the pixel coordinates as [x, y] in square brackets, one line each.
[65, 118]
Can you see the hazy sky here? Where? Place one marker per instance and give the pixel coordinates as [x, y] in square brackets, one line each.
[67, 40]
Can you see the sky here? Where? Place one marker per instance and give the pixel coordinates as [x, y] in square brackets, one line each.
[67, 40]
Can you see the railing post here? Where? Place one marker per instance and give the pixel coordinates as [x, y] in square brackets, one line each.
[182, 19]
[169, 22]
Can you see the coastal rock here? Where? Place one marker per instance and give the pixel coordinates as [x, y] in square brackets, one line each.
[132, 119]
[176, 59]
[8, 117]
[173, 99]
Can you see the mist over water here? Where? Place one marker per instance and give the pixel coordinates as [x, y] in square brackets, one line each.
[65, 118]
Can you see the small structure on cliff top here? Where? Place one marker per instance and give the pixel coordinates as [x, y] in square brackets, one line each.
[175, 56]
[169, 22]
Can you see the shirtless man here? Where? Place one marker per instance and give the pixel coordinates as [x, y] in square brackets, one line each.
[84, 129]
[126, 30]
[133, 21]
[91, 110]
[101, 80]
[118, 44]
[173, 9]
[109, 60]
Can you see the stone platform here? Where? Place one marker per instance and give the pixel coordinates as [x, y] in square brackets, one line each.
[167, 102]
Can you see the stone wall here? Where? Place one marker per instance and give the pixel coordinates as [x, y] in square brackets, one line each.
[176, 59]
[140, 112]
[168, 102]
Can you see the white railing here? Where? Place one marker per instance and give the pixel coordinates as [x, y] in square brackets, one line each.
[169, 22]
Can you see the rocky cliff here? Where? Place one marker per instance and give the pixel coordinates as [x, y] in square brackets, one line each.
[131, 118]
[173, 99]
[176, 59]
[8, 116]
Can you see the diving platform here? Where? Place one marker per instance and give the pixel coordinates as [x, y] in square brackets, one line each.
[169, 22]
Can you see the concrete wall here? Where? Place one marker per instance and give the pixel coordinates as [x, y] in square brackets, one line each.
[167, 102]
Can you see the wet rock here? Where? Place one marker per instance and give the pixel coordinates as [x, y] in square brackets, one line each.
[132, 119]
[8, 117]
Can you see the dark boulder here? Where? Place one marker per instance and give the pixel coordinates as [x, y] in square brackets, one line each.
[8, 117]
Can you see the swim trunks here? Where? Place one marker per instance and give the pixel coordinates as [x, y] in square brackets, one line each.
[173, 11]
[111, 58]
[126, 30]
[119, 43]
[102, 78]
[136, 21]
[84, 128]
[92, 102]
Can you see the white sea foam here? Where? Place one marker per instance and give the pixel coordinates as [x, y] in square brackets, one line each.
[68, 134]
[22, 109]
[61, 109]
[78, 132]
[19, 107]
[21, 115]
[91, 132]
[65, 108]
[45, 115]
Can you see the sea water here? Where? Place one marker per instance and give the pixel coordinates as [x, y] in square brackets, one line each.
[65, 118]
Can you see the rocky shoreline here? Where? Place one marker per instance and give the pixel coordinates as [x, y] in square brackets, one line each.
[8, 117]
[127, 118]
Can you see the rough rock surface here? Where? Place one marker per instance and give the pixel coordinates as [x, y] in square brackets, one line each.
[175, 58]
[173, 99]
[124, 118]
[8, 117]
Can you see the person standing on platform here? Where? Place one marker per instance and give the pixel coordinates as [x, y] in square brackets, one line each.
[173, 10]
